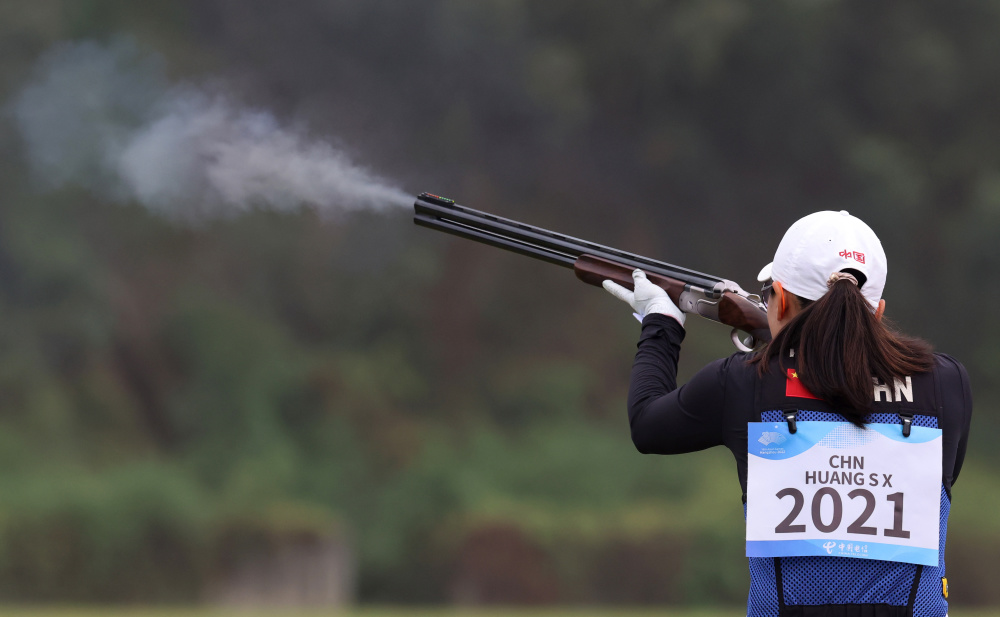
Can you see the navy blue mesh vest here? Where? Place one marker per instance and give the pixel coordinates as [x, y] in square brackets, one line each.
[842, 586]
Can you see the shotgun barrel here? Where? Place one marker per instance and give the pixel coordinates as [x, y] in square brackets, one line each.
[710, 296]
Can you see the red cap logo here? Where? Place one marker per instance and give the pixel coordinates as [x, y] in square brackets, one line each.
[855, 255]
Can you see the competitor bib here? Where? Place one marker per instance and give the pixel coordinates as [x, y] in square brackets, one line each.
[835, 489]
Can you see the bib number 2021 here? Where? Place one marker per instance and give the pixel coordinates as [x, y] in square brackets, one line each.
[858, 526]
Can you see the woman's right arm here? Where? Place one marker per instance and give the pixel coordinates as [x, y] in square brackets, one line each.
[956, 416]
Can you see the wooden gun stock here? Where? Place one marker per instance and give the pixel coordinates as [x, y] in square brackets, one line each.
[742, 314]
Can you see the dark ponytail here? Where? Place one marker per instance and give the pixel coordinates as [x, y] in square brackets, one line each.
[840, 346]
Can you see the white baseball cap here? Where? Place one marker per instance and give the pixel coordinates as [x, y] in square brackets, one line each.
[821, 244]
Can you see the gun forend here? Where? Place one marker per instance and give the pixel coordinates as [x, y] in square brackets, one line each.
[725, 302]
[711, 297]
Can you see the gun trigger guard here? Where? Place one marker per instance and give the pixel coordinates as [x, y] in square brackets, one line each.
[745, 346]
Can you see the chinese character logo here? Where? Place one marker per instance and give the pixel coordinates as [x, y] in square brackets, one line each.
[855, 255]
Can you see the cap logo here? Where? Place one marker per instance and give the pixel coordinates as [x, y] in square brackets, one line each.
[855, 255]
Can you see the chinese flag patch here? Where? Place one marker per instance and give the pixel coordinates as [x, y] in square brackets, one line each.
[794, 387]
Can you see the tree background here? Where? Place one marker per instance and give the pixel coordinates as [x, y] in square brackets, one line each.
[173, 396]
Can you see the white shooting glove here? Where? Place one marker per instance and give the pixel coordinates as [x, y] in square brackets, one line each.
[647, 298]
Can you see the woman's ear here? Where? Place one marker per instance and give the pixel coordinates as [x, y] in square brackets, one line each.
[880, 310]
[779, 292]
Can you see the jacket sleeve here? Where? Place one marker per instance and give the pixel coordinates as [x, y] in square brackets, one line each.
[665, 419]
[956, 415]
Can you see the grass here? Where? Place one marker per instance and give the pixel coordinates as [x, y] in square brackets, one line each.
[44, 611]
[29, 611]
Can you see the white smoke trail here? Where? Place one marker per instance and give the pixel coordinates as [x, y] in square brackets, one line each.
[105, 117]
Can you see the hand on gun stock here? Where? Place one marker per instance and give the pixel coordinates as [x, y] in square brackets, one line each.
[646, 299]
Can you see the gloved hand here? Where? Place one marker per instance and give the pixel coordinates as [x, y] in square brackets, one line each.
[647, 298]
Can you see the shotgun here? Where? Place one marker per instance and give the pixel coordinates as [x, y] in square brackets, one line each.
[711, 297]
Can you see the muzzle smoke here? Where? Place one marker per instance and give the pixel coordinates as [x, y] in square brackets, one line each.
[105, 117]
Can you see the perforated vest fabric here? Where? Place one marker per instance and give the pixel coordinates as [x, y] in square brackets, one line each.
[713, 409]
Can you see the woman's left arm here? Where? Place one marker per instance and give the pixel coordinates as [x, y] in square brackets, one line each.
[665, 419]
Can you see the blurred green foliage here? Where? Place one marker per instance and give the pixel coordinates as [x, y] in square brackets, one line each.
[166, 389]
